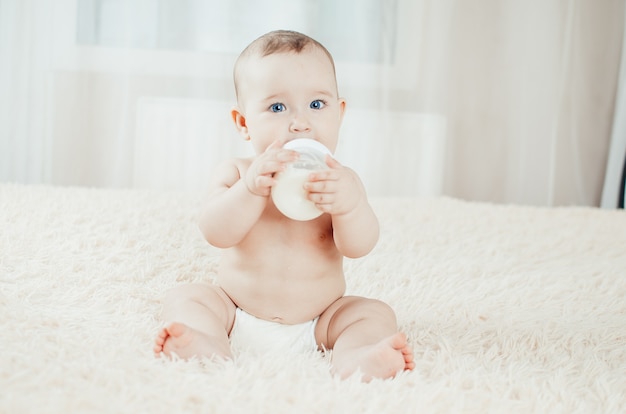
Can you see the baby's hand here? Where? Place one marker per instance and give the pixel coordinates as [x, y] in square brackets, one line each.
[337, 190]
[260, 175]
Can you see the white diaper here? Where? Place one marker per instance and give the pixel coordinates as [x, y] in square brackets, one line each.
[260, 336]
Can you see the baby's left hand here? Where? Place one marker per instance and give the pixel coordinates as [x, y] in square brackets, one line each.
[337, 190]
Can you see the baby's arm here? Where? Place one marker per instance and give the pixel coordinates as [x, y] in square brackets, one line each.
[340, 192]
[231, 209]
[238, 195]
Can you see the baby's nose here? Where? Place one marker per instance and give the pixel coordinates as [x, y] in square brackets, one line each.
[300, 123]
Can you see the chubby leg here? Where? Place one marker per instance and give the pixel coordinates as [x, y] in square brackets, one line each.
[363, 335]
[199, 318]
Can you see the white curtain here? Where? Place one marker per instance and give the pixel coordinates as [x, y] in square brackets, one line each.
[614, 190]
[502, 101]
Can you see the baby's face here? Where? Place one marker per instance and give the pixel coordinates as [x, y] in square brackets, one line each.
[290, 95]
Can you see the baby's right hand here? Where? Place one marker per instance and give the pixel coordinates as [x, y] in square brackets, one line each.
[260, 175]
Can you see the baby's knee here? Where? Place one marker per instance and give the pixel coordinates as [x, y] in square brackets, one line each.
[367, 307]
[378, 307]
[187, 292]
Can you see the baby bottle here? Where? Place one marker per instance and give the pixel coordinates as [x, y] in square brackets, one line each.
[288, 194]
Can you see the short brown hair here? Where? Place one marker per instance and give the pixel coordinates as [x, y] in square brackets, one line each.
[279, 41]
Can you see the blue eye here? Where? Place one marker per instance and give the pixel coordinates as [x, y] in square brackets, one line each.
[317, 104]
[277, 107]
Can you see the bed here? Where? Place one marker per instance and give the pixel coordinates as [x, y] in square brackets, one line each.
[511, 309]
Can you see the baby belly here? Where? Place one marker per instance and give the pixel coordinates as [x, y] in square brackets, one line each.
[282, 300]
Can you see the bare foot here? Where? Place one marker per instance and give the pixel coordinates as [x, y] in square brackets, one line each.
[381, 360]
[178, 338]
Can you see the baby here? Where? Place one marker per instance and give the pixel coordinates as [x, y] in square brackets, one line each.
[281, 281]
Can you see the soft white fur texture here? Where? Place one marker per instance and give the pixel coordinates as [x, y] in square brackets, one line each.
[509, 309]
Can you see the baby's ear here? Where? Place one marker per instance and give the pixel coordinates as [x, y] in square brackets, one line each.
[240, 122]
[342, 106]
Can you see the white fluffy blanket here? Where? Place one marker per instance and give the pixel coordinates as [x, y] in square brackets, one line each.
[509, 309]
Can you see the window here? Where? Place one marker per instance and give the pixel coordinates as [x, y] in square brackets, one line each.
[351, 29]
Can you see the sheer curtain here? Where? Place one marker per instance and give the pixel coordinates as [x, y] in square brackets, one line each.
[614, 190]
[508, 102]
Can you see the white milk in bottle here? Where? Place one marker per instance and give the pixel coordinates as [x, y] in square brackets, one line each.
[289, 194]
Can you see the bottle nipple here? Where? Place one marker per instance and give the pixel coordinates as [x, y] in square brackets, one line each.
[289, 195]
